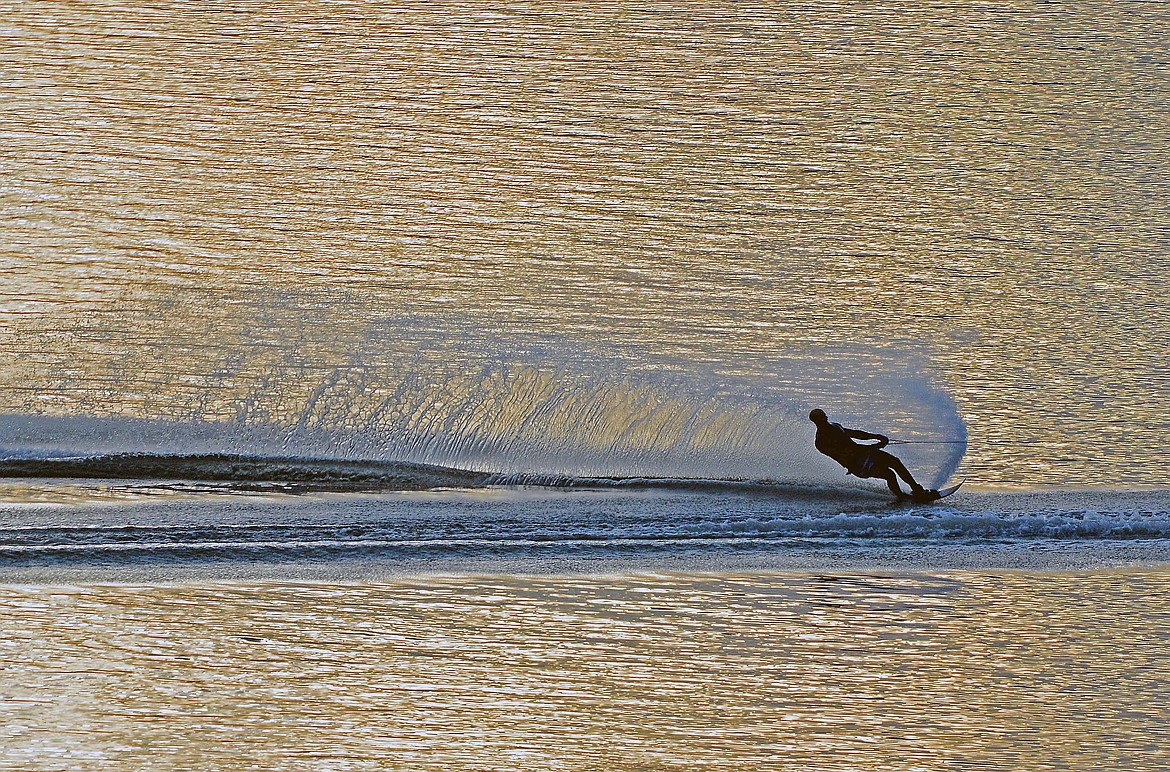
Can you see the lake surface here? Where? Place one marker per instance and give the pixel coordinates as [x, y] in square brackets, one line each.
[265, 264]
[396, 229]
[896, 671]
[519, 628]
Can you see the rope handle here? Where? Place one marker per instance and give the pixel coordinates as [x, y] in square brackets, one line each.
[927, 442]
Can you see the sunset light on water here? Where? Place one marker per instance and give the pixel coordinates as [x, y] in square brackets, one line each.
[427, 386]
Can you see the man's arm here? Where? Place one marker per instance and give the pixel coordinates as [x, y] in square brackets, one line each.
[857, 434]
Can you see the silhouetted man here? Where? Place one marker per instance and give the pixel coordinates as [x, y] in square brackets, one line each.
[836, 442]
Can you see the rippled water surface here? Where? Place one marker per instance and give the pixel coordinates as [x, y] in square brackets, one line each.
[636, 671]
[415, 221]
[265, 248]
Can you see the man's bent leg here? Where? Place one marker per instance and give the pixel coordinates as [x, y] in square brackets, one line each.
[892, 481]
[896, 466]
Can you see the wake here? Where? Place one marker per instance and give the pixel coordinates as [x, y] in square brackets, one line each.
[242, 473]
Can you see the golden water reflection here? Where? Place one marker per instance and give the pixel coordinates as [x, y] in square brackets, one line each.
[669, 671]
[203, 209]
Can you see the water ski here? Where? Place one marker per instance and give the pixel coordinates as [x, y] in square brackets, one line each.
[941, 493]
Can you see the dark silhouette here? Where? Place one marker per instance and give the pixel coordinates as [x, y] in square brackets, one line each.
[868, 460]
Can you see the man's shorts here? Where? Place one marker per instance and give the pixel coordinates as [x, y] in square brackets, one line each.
[865, 464]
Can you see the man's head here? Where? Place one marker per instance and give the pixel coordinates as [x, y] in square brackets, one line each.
[818, 416]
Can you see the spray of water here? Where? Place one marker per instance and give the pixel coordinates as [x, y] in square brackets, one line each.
[452, 392]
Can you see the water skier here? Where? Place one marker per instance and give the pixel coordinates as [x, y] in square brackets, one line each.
[865, 460]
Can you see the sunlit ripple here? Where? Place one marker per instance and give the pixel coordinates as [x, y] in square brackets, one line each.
[306, 215]
[204, 209]
[870, 671]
